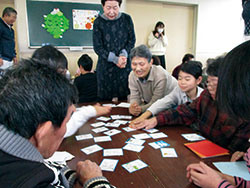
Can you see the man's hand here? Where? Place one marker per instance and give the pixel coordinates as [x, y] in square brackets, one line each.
[147, 124]
[102, 110]
[122, 61]
[1, 62]
[135, 109]
[87, 170]
[15, 61]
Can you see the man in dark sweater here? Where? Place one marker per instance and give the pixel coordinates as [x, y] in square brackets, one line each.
[36, 102]
[86, 83]
[7, 38]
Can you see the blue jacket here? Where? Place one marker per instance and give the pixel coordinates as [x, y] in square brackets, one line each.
[7, 42]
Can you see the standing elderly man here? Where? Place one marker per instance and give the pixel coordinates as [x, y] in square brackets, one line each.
[7, 38]
[147, 82]
[36, 103]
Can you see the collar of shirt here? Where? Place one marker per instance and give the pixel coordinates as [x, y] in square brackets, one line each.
[105, 18]
[144, 80]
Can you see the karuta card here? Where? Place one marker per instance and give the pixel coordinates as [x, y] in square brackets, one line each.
[132, 147]
[112, 132]
[128, 129]
[193, 137]
[141, 136]
[135, 141]
[115, 116]
[123, 105]
[125, 117]
[112, 152]
[134, 165]
[121, 122]
[111, 105]
[102, 139]
[102, 118]
[97, 124]
[151, 130]
[158, 144]
[158, 135]
[91, 149]
[113, 124]
[101, 129]
[84, 137]
[108, 164]
[168, 152]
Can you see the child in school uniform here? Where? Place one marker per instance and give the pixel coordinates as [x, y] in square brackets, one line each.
[233, 95]
[190, 76]
[86, 83]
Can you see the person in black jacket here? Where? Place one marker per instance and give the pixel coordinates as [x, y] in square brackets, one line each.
[86, 83]
[7, 38]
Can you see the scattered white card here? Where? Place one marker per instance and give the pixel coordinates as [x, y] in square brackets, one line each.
[61, 157]
[84, 137]
[151, 130]
[97, 124]
[134, 165]
[113, 124]
[121, 122]
[112, 152]
[111, 105]
[112, 132]
[135, 141]
[193, 137]
[123, 105]
[108, 164]
[91, 149]
[132, 147]
[141, 136]
[115, 116]
[102, 138]
[128, 129]
[125, 117]
[158, 135]
[101, 129]
[168, 152]
[102, 118]
[158, 144]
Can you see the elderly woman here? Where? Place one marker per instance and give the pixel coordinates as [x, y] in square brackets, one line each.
[113, 38]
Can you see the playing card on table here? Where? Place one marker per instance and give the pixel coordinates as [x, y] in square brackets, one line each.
[158, 144]
[112, 152]
[141, 136]
[168, 152]
[151, 130]
[97, 124]
[112, 132]
[84, 137]
[108, 164]
[134, 165]
[135, 141]
[132, 147]
[102, 118]
[193, 137]
[124, 105]
[128, 129]
[158, 135]
[102, 138]
[91, 149]
[99, 130]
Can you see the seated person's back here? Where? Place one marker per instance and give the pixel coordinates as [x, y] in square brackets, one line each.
[86, 83]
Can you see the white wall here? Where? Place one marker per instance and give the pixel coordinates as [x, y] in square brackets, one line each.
[219, 26]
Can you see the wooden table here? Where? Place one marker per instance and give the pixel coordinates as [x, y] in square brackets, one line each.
[161, 172]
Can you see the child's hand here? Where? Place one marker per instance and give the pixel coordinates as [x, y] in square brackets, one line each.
[203, 176]
[237, 155]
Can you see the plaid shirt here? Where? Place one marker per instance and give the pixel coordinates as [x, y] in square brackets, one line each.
[213, 124]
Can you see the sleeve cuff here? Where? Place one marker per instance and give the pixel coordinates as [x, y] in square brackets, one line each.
[94, 182]
[124, 53]
[113, 58]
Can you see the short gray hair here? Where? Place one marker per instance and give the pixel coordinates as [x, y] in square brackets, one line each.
[141, 51]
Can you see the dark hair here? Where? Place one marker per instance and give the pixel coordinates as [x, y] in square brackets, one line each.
[104, 1]
[156, 60]
[33, 93]
[52, 57]
[233, 92]
[192, 67]
[86, 62]
[141, 51]
[213, 67]
[187, 58]
[8, 11]
[158, 24]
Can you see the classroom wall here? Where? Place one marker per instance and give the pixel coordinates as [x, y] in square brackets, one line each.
[219, 28]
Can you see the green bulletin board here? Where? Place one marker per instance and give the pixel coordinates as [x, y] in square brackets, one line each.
[61, 24]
